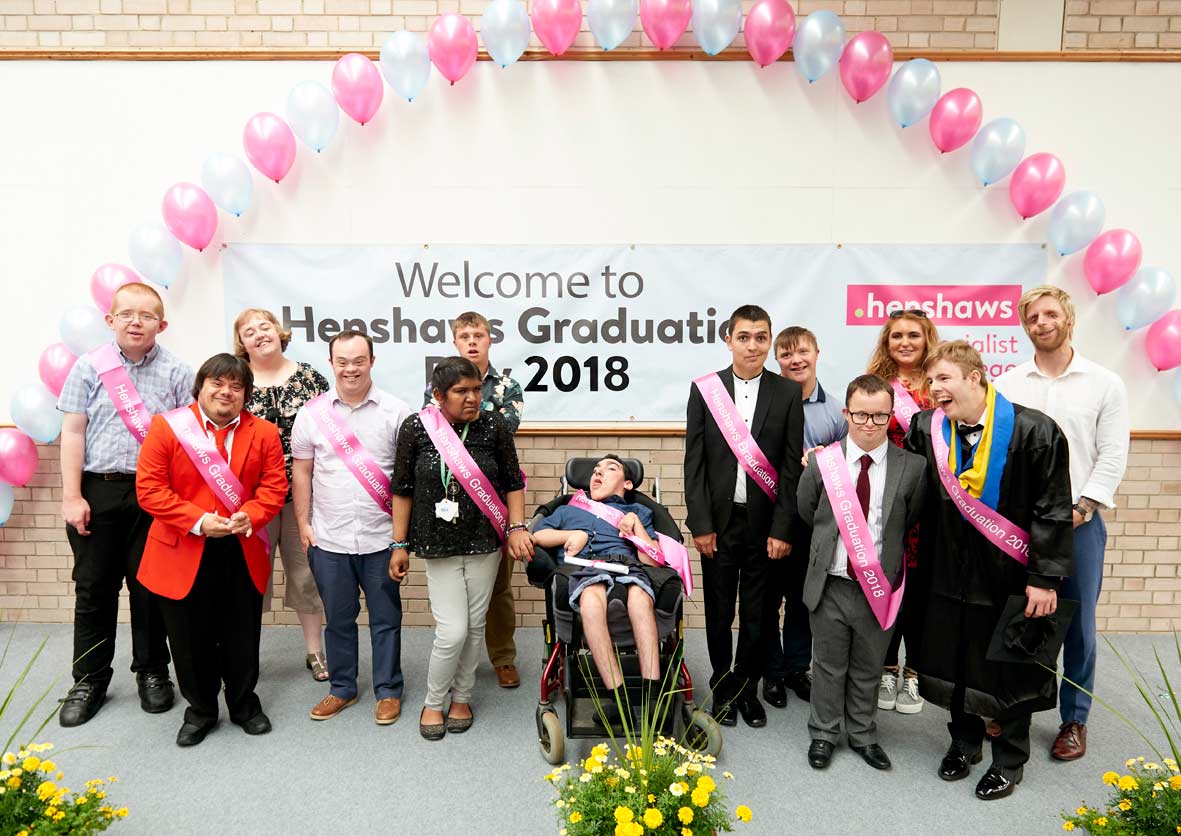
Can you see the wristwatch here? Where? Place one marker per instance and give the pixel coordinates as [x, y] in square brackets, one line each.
[1086, 508]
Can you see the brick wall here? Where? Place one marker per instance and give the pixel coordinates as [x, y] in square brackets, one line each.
[1122, 24]
[1141, 590]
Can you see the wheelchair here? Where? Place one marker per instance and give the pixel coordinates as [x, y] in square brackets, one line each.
[569, 670]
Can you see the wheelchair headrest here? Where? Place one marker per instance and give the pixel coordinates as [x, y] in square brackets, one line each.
[579, 471]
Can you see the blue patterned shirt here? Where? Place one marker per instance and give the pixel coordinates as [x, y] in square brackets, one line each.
[163, 382]
[824, 422]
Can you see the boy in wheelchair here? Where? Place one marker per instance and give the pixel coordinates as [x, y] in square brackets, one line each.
[579, 533]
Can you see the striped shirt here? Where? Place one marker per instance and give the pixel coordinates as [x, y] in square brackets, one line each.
[163, 382]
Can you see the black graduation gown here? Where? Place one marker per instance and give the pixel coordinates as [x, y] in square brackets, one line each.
[971, 579]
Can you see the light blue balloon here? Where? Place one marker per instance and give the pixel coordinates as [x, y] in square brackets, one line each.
[818, 44]
[34, 411]
[1075, 222]
[312, 114]
[997, 149]
[83, 329]
[716, 23]
[612, 21]
[505, 30]
[1146, 298]
[6, 501]
[154, 253]
[406, 64]
[227, 181]
[913, 91]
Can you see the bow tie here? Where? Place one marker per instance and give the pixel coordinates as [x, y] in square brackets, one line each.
[974, 428]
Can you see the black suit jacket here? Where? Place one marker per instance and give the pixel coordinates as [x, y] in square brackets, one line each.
[711, 468]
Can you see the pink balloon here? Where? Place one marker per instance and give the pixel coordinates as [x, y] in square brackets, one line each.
[866, 64]
[1111, 260]
[557, 22]
[955, 119]
[1036, 183]
[106, 280]
[1164, 341]
[452, 45]
[54, 366]
[770, 26]
[357, 86]
[18, 457]
[190, 215]
[665, 20]
[270, 145]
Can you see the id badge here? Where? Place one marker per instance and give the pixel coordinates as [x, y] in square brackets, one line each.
[447, 510]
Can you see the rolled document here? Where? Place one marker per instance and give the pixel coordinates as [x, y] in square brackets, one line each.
[617, 568]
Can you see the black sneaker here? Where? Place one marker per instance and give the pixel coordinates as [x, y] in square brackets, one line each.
[156, 692]
[81, 703]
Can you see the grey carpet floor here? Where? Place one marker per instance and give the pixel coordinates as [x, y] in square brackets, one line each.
[350, 776]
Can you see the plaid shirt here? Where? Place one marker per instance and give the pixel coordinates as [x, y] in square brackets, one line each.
[163, 382]
[500, 394]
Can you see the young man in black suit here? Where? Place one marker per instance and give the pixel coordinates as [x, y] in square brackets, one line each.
[741, 518]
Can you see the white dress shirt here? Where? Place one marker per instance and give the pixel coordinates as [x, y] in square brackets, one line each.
[1090, 405]
[746, 395]
[877, 488]
[345, 518]
[205, 424]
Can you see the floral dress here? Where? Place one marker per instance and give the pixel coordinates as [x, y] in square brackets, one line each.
[279, 404]
[897, 436]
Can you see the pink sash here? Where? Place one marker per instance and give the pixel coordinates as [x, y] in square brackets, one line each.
[209, 463]
[858, 539]
[121, 390]
[904, 404]
[351, 451]
[464, 468]
[1005, 535]
[737, 434]
[668, 552]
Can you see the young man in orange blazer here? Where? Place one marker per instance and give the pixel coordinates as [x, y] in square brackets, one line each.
[204, 556]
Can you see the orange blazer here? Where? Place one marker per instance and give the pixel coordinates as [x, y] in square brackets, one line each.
[172, 491]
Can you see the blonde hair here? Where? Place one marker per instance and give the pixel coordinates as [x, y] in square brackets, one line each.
[883, 365]
[959, 353]
[241, 319]
[471, 319]
[141, 289]
[789, 339]
[1034, 293]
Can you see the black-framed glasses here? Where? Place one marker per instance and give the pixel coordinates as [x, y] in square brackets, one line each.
[919, 312]
[879, 418]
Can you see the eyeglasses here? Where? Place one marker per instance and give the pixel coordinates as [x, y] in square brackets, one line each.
[879, 418]
[127, 316]
[917, 312]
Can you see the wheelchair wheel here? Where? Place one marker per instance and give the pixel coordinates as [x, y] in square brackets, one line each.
[553, 739]
[702, 733]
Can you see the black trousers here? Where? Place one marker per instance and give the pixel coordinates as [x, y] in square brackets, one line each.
[1010, 749]
[791, 651]
[103, 560]
[214, 632]
[911, 620]
[737, 573]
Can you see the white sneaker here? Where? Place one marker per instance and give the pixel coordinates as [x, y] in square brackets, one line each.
[909, 701]
[886, 689]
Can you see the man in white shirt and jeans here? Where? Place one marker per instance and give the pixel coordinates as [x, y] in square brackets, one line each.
[1090, 405]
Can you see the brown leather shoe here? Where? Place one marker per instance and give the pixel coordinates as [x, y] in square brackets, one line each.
[330, 706]
[507, 676]
[388, 710]
[1071, 742]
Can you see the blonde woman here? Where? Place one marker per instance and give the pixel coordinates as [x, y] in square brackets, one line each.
[281, 387]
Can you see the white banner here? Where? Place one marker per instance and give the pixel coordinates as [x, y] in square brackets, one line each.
[617, 332]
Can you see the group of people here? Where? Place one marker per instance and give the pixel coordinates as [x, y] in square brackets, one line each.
[932, 510]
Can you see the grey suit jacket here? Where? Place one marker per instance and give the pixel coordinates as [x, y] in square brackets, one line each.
[906, 483]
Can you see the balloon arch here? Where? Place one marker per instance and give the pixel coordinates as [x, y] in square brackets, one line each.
[1144, 295]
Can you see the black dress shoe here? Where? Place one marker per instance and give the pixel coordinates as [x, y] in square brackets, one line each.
[996, 783]
[775, 692]
[156, 692]
[258, 724]
[820, 754]
[752, 711]
[955, 763]
[723, 713]
[874, 755]
[81, 703]
[191, 734]
[801, 683]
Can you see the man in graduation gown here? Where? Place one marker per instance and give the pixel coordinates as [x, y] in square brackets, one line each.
[1013, 461]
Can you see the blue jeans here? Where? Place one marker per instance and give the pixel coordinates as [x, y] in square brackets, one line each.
[339, 577]
[1078, 651]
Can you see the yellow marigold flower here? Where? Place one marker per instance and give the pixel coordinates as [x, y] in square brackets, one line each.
[80, 799]
[623, 815]
[707, 783]
[651, 798]
[122, 812]
[23, 833]
[1127, 782]
[1068, 825]
[653, 818]
[31, 763]
[60, 815]
[1111, 778]
[685, 814]
[575, 817]
[686, 832]
[51, 811]
[49, 766]
[612, 781]
[1125, 805]
[1081, 811]
[1175, 782]
[700, 797]
[14, 782]
[46, 789]
[743, 812]
[18, 772]
[1101, 821]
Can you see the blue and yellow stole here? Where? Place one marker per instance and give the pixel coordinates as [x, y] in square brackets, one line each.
[980, 475]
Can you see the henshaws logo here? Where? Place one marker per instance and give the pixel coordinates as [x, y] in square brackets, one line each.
[945, 304]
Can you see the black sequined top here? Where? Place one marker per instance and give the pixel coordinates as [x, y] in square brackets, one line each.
[416, 474]
[279, 404]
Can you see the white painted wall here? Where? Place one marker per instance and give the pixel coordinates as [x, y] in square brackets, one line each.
[574, 152]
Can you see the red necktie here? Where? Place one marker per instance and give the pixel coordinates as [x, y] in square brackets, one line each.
[220, 436]
[863, 498]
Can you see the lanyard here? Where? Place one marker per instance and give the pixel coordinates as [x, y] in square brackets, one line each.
[444, 471]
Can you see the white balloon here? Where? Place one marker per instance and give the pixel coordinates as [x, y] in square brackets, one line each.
[612, 21]
[313, 114]
[6, 501]
[406, 64]
[505, 30]
[227, 181]
[1075, 222]
[997, 150]
[155, 253]
[83, 328]
[35, 413]
[913, 91]
[818, 44]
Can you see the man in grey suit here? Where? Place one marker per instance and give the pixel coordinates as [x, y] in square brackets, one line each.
[855, 566]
